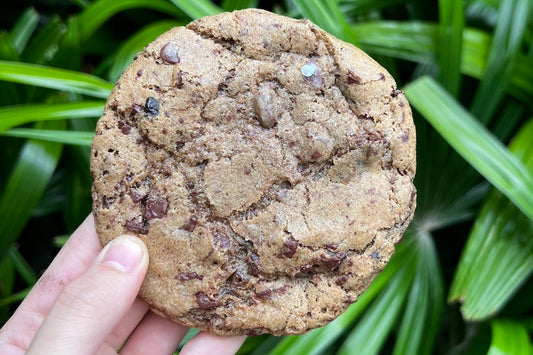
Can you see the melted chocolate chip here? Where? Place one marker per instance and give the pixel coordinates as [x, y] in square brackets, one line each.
[190, 224]
[289, 247]
[155, 207]
[169, 53]
[151, 106]
[351, 78]
[205, 302]
[186, 276]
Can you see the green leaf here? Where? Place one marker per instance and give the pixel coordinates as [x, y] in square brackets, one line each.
[23, 29]
[18, 115]
[327, 15]
[371, 332]
[232, 5]
[421, 318]
[43, 47]
[510, 28]
[100, 11]
[25, 185]
[197, 8]
[450, 44]
[14, 297]
[22, 266]
[66, 137]
[473, 142]
[509, 338]
[54, 78]
[498, 256]
[135, 43]
[417, 41]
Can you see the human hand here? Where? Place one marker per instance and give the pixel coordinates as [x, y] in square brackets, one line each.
[85, 303]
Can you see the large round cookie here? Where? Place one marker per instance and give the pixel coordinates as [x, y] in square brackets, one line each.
[267, 165]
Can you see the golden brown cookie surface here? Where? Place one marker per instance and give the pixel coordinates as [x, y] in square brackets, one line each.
[267, 166]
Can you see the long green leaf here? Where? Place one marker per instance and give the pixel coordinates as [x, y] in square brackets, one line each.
[43, 47]
[510, 29]
[470, 139]
[54, 78]
[25, 186]
[509, 338]
[135, 44]
[100, 11]
[327, 15]
[371, 332]
[498, 257]
[421, 318]
[23, 29]
[417, 41]
[450, 44]
[197, 8]
[232, 5]
[66, 137]
[22, 266]
[18, 115]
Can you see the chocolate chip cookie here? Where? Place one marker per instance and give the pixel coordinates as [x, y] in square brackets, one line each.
[267, 165]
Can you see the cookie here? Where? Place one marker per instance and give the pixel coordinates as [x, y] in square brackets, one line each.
[267, 165]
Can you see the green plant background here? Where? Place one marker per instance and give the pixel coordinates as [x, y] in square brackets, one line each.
[459, 283]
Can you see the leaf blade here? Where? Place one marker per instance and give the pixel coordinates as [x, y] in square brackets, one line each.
[54, 78]
[18, 115]
[473, 142]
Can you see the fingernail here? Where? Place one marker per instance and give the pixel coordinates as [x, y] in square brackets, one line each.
[122, 254]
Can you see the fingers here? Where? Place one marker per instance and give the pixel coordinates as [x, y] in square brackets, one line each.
[155, 335]
[90, 307]
[72, 261]
[205, 343]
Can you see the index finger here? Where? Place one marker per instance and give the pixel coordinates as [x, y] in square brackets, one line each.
[71, 262]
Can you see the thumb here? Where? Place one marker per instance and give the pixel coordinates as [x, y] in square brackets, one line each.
[88, 308]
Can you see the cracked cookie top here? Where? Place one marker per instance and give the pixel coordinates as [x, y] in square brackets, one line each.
[267, 165]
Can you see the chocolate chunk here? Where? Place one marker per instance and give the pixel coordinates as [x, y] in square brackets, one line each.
[190, 224]
[126, 129]
[351, 78]
[186, 276]
[136, 108]
[151, 106]
[107, 201]
[136, 224]
[289, 247]
[155, 207]
[332, 260]
[205, 302]
[316, 155]
[341, 280]
[269, 293]
[169, 53]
